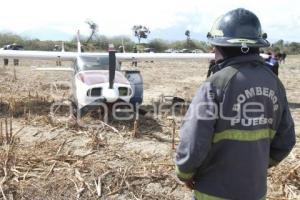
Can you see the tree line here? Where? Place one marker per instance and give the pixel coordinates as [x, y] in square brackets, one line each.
[287, 47]
[101, 42]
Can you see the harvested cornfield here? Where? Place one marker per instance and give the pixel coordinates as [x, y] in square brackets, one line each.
[45, 156]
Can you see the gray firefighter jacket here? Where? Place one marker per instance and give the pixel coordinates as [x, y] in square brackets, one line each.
[237, 126]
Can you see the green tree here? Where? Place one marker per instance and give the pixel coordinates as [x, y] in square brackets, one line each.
[140, 32]
[294, 48]
[121, 40]
[188, 38]
[94, 29]
[101, 42]
[9, 38]
[159, 45]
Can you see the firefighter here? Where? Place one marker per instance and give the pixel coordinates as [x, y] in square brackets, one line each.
[5, 60]
[134, 63]
[15, 47]
[272, 62]
[283, 57]
[239, 123]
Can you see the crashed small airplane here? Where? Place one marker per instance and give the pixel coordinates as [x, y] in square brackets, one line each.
[98, 77]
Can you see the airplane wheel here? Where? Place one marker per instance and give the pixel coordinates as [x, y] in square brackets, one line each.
[136, 82]
[74, 108]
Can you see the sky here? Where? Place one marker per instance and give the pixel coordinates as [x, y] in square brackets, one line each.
[167, 19]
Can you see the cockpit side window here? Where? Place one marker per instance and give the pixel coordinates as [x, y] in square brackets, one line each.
[96, 63]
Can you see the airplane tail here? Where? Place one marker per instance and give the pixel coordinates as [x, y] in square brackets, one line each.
[123, 45]
[62, 47]
[78, 42]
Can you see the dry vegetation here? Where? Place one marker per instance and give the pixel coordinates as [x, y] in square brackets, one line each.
[45, 157]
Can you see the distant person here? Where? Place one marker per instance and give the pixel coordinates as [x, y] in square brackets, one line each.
[13, 46]
[278, 56]
[16, 47]
[58, 61]
[5, 60]
[134, 63]
[121, 49]
[283, 57]
[16, 62]
[272, 62]
[56, 48]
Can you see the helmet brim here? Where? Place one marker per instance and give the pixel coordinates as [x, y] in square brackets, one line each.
[233, 42]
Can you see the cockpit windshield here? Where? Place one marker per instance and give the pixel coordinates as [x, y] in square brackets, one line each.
[95, 63]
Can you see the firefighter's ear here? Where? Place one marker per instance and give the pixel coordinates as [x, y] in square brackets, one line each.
[264, 36]
[209, 35]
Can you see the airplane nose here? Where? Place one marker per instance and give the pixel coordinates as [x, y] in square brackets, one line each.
[110, 95]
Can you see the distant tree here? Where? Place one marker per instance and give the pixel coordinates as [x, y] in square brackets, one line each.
[140, 32]
[101, 42]
[278, 46]
[294, 48]
[280, 43]
[94, 29]
[9, 38]
[178, 44]
[188, 38]
[187, 34]
[276, 49]
[119, 41]
[159, 45]
[194, 44]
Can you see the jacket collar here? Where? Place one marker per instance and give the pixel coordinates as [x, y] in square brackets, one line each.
[241, 59]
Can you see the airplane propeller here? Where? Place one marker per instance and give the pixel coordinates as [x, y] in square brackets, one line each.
[112, 66]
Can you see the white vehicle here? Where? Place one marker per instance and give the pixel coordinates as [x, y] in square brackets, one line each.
[197, 51]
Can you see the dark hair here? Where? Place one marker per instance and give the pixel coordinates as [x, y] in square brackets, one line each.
[228, 52]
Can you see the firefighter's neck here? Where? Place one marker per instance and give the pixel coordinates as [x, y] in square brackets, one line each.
[223, 53]
[219, 55]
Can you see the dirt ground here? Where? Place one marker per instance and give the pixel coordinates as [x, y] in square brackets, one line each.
[43, 156]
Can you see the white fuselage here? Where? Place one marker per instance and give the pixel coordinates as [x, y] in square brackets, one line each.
[90, 86]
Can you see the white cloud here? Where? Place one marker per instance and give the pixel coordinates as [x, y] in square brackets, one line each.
[281, 19]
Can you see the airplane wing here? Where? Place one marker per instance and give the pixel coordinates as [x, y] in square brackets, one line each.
[71, 56]
[163, 56]
[38, 55]
[64, 69]
[167, 56]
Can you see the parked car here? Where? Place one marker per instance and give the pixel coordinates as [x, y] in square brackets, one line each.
[197, 51]
[185, 51]
[12, 47]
